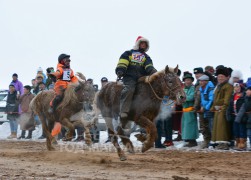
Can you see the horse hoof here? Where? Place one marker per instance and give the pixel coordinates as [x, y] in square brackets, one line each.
[131, 151]
[145, 148]
[140, 137]
[66, 139]
[123, 158]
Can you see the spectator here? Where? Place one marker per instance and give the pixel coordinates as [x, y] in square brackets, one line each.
[39, 80]
[222, 95]
[207, 97]
[12, 110]
[95, 86]
[18, 84]
[50, 81]
[40, 72]
[209, 71]
[104, 81]
[33, 85]
[24, 102]
[244, 115]
[176, 117]
[189, 128]
[41, 86]
[163, 121]
[239, 129]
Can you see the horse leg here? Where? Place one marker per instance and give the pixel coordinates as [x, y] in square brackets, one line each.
[47, 132]
[69, 134]
[114, 138]
[125, 140]
[50, 127]
[150, 130]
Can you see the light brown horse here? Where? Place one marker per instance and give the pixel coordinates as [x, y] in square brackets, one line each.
[145, 106]
[70, 109]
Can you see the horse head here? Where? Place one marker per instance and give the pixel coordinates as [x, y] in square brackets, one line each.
[169, 84]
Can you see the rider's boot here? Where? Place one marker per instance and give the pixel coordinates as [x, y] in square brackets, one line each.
[55, 102]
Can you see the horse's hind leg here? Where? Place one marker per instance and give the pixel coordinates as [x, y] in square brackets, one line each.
[114, 138]
[47, 132]
[69, 134]
[150, 130]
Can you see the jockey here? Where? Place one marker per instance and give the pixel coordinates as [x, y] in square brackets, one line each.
[64, 75]
[132, 65]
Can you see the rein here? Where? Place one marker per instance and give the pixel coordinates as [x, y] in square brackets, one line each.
[156, 95]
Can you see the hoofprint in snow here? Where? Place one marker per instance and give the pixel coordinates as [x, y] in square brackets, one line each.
[81, 147]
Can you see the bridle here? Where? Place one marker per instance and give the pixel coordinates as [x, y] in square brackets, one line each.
[171, 90]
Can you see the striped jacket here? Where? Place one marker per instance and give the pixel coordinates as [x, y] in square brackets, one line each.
[135, 64]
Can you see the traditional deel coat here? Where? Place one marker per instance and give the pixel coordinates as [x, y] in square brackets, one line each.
[189, 125]
[221, 127]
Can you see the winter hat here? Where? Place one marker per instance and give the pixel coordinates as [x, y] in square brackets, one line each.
[204, 78]
[223, 71]
[187, 75]
[39, 69]
[15, 74]
[139, 40]
[104, 79]
[198, 70]
[248, 83]
[209, 69]
[219, 67]
[11, 85]
[235, 74]
[39, 75]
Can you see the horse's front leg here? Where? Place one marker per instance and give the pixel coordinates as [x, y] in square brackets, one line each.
[150, 130]
[69, 134]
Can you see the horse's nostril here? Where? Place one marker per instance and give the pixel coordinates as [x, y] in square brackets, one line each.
[181, 97]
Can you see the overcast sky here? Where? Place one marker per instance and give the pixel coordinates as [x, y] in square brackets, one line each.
[95, 33]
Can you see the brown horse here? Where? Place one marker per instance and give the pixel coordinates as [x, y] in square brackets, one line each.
[70, 109]
[145, 106]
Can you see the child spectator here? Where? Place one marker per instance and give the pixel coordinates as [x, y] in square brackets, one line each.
[12, 110]
[244, 115]
[40, 72]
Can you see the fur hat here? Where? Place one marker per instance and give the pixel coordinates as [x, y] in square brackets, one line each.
[235, 74]
[223, 71]
[139, 40]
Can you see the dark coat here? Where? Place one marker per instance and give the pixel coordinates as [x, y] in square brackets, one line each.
[230, 111]
[12, 106]
[244, 112]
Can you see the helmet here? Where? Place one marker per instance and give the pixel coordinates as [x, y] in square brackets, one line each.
[62, 56]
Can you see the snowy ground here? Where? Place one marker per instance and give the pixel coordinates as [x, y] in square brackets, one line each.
[5, 131]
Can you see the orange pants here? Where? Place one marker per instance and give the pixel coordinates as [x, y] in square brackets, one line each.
[56, 130]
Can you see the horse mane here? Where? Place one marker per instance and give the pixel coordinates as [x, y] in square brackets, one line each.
[156, 75]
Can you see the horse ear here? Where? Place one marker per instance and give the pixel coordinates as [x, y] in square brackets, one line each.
[167, 69]
[176, 69]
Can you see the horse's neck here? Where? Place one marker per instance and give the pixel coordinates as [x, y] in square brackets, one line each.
[153, 90]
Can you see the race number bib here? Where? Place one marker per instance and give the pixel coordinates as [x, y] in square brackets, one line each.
[67, 75]
[138, 57]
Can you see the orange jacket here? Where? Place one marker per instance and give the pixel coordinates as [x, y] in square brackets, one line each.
[64, 77]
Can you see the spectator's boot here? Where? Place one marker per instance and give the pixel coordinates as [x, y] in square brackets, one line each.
[14, 135]
[178, 138]
[29, 135]
[22, 135]
[168, 143]
[10, 136]
[243, 144]
[222, 146]
[205, 144]
[191, 143]
[237, 142]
